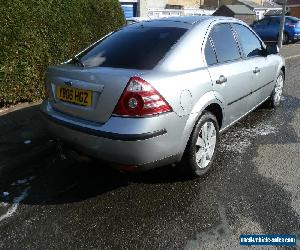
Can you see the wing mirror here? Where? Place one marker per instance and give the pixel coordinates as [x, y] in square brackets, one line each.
[272, 49]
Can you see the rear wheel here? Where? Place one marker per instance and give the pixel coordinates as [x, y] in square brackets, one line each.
[276, 94]
[201, 149]
[285, 38]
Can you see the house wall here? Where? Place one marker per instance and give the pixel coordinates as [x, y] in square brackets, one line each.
[246, 18]
[214, 3]
[186, 3]
[144, 5]
[259, 2]
[295, 11]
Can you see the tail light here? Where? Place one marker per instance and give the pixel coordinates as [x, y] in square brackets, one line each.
[46, 91]
[140, 99]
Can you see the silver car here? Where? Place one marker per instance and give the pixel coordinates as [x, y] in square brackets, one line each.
[161, 91]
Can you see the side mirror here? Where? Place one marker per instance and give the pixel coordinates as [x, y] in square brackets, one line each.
[272, 49]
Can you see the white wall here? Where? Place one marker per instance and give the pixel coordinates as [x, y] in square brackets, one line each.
[146, 4]
[160, 13]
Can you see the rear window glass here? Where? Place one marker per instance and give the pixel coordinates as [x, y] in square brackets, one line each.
[136, 47]
[292, 19]
[210, 54]
[224, 43]
[263, 21]
[274, 21]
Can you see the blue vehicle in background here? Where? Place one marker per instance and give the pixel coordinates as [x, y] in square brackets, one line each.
[268, 29]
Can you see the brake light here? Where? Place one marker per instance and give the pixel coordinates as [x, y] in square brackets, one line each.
[140, 99]
[46, 91]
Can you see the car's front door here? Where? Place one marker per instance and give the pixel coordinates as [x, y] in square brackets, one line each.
[230, 75]
[262, 66]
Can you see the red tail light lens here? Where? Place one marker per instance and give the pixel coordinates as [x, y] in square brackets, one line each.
[140, 99]
[46, 91]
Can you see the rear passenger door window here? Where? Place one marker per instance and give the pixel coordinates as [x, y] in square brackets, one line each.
[274, 21]
[250, 44]
[224, 43]
[210, 55]
[264, 21]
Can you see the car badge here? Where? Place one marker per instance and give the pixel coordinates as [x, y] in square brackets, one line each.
[68, 83]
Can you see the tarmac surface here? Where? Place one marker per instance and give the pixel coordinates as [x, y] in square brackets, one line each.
[48, 200]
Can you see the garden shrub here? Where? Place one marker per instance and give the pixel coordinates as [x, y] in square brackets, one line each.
[37, 33]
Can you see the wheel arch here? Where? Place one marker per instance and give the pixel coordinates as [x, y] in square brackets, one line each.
[217, 111]
[214, 105]
[283, 70]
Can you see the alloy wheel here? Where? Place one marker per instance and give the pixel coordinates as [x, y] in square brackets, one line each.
[278, 89]
[205, 144]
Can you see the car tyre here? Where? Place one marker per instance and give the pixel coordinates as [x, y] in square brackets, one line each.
[276, 95]
[285, 38]
[201, 149]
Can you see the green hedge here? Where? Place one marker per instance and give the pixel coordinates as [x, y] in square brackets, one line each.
[38, 33]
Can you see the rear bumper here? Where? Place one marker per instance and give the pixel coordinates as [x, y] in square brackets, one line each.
[127, 141]
[108, 135]
[295, 34]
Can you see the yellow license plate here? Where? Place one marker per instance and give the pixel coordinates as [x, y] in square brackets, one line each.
[73, 95]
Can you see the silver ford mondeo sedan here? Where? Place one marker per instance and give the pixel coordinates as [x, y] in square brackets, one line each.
[160, 91]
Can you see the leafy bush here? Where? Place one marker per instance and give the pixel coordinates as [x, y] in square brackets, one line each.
[38, 33]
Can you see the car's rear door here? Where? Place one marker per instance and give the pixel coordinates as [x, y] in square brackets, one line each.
[262, 66]
[231, 76]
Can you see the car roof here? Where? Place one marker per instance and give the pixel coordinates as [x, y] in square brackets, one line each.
[290, 17]
[183, 21]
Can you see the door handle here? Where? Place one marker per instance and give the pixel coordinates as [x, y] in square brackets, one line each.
[256, 70]
[221, 80]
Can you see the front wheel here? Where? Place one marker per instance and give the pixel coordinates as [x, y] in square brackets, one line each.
[201, 149]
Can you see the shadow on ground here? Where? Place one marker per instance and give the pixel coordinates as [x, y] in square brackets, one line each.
[163, 196]
[23, 138]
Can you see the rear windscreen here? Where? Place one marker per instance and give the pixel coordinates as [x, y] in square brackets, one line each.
[135, 47]
[293, 19]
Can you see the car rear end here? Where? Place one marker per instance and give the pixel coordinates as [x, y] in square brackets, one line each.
[293, 25]
[102, 103]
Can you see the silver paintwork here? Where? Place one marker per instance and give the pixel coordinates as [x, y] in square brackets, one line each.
[182, 77]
